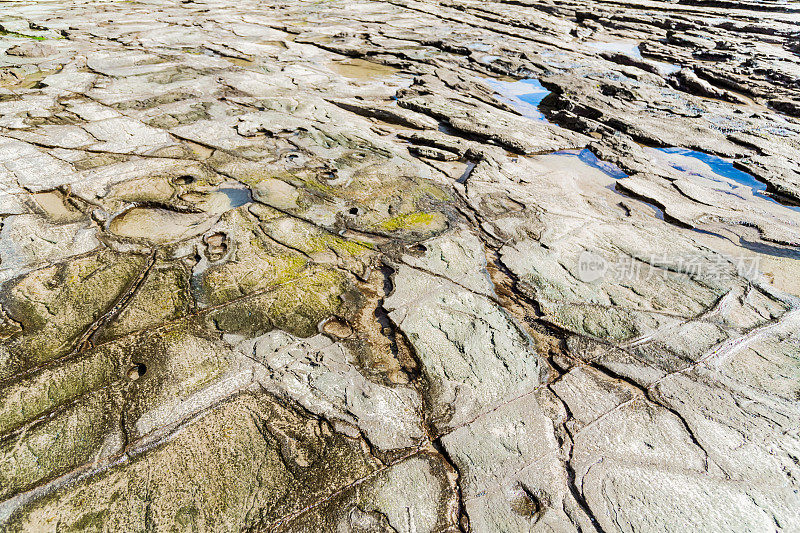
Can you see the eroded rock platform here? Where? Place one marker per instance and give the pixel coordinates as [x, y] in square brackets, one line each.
[404, 266]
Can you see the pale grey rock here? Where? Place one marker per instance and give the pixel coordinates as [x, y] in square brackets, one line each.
[741, 441]
[473, 354]
[536, 398]
[32, 168]
[459, 257]
[123, 135]
[31, 49]
[70, 79]
[413, 495]
[52, 136]
[646, 499]
[388, 113]
[512, 476]
[319, 374]
[511, 131]
[28, 241]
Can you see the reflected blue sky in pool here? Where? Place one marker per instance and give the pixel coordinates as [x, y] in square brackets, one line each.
[524, 95]
[237, 196]
[593, 161]
[724, 168]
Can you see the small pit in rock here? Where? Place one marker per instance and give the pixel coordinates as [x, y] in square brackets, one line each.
[216, 246]
[360, 69]
[337, 328]
[137, 371]
[183, 180]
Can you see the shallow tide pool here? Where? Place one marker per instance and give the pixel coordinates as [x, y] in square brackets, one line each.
[237, 196]
[524, 95]
[593, 161]
[610, 169]
[721, 167]
[631, 49]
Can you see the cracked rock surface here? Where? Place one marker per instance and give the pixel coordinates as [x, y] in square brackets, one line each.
[411, 266]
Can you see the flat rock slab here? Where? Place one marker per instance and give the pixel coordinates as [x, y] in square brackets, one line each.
[406, 266]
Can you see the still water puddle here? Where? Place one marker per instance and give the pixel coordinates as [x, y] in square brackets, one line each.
[779, 264]
[631, 49]
[237, 196]
[479, 46]
[467, 171]
[718, 167]
[665, 68]
[593, 161]
[524, 95]
[359, 69]
[489, 59]
[609, 169]
[163, 224]
[159, 225]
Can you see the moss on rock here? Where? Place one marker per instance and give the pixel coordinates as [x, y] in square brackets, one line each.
[57, 304]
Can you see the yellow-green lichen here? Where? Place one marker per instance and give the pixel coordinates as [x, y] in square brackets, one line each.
[6, 33]
[257, 264]
[59, 443]
[410, 221]
[323, 241]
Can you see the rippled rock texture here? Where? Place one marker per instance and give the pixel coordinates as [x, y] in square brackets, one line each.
[404, 266]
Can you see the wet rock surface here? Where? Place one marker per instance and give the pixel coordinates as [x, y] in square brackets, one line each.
[399, 266]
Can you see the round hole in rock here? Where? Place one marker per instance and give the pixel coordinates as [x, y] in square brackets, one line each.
[353, 211]
[184, 180]
[137, 371]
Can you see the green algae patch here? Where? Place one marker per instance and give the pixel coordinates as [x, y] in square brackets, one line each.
[255, 264]
[60, 417]
[308, 238]
[60, 443]
[260, 271]
[249, 462]
[6, 33]
[57, 304]
[163, 296]
[43, 391]
[295, 307]
[299, 309]
[420, 489]
[180, 360]
[327, 241]
[411, 221]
